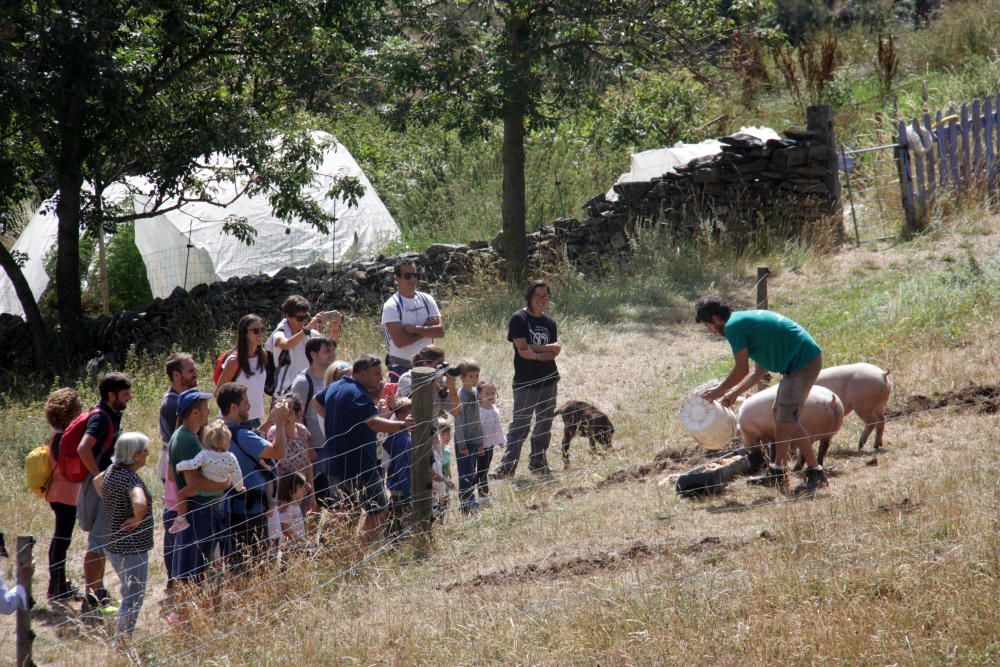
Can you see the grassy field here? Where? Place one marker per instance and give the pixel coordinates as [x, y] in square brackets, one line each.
[898, 562]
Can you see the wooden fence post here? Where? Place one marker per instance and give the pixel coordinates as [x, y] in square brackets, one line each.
[762, 274]
[819, 120]
[902, 152]
[25, 636]
[422, 456]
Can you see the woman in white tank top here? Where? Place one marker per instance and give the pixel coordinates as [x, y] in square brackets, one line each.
[248, 365]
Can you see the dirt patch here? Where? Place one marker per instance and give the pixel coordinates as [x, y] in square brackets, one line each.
[983, 398]
[568, 567]
[666, 460]
[575, 566]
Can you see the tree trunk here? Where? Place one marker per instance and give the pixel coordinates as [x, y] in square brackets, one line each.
[515, 242]
[68, 297]
[39, 332]
[515, 104]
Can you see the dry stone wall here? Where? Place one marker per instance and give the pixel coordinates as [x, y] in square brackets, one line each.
[189, 318]
[751, 185]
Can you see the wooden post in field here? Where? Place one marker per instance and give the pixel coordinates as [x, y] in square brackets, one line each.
[762, 273]
[25, 637]
[422, 456]
[819, 120]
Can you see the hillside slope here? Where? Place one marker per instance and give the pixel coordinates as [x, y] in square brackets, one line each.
[896, 562]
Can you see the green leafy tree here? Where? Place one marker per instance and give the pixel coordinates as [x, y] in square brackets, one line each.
[100, 91]
[523, 63]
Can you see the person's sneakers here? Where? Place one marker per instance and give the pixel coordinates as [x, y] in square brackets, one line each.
[64, 594]
[471, 506]
[179, 525]
[98, 603]
[503, 472]
[815, 479]
[775, 476]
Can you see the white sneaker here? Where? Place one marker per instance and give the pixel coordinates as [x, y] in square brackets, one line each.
[179, 525]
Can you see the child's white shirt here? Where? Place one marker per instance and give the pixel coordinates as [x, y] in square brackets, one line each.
[216, 466]
[492, 426]
[438, 489]
[290, 514]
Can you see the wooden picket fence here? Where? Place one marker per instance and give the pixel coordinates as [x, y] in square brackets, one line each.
[956, 151]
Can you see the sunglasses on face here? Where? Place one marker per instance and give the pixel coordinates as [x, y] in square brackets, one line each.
[302, 318]
[255, 330]
[409, 275]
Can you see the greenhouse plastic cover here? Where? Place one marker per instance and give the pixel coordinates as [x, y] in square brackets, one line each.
[215, 256]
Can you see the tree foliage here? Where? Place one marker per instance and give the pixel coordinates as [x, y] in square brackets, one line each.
[108, 90]
[523, 63]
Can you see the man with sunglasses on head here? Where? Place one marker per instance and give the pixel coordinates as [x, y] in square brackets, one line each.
[411, 319]
[287, 344]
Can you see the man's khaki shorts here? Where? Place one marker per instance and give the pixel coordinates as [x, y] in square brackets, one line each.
[793, 390]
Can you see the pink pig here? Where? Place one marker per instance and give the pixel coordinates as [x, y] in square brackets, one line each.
[821, 417]
[863, 388]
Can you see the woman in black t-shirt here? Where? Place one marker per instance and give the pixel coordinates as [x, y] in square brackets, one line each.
[536, 346]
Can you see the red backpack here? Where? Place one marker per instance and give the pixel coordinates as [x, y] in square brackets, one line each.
[219, 363]
[68, 458]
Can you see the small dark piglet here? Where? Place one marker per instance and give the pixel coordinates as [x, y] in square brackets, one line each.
[580, 417]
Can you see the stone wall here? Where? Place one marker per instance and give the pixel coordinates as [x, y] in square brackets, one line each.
[189, 319]
[751, 185]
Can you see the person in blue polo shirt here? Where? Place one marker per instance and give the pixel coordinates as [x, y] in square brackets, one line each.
[351, 420]
[248, 510]
[775, 343]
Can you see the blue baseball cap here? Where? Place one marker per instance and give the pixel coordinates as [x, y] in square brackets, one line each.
[189, 397]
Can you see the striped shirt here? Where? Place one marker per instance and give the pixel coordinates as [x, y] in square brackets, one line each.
[118, 485]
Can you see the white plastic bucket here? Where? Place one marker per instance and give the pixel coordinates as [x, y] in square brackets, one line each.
[712, 425]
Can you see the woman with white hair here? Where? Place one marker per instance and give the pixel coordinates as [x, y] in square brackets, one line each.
[128, 506]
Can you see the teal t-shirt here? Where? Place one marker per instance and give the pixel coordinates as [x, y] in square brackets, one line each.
[772, 340]
[184, 445]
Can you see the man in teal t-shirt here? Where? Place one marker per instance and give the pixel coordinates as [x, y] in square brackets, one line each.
[775, 343]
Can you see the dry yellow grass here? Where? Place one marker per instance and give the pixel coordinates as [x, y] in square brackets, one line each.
[895, 563]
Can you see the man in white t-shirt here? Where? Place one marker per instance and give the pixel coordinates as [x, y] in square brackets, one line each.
[411, 319]
[291, 336]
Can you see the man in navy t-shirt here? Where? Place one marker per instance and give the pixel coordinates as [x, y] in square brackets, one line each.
[95, 450]
[351, 420]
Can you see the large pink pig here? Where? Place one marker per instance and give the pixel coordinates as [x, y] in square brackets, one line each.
[821, 417]
[863, 388]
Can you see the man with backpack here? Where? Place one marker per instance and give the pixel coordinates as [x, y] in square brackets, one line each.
[320, 352]
[411, 319]
[248, 510]
[286, 344]
[94, 442]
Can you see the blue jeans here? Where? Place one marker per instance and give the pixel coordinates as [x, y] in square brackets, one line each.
[467, 471]
[169, 516]
[194, 546]
[133, 571]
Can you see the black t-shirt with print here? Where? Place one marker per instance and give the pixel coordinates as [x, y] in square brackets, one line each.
[537, 331]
